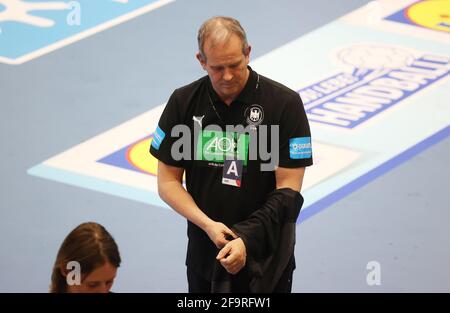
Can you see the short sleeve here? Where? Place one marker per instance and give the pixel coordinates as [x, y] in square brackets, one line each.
[295, 135]
[162, 141]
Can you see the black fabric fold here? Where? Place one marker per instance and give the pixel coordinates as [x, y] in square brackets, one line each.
[269, 237]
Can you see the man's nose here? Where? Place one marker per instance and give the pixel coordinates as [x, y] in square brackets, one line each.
[227, 75]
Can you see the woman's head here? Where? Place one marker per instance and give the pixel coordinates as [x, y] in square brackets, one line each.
[94, 251]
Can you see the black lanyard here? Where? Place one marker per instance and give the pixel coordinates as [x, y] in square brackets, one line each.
[215, 110]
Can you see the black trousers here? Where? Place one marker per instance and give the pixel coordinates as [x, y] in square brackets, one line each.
[240, 282]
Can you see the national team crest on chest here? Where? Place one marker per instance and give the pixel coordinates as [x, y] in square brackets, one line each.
[254, 114]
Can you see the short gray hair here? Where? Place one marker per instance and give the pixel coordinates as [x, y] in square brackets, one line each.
[219, 29]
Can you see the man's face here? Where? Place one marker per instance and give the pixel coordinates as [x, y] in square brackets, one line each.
[226, 65]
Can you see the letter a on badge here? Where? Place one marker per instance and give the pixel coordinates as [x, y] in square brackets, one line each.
[232, 169]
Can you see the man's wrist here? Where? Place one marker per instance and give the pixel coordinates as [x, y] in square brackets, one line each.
[205, 224]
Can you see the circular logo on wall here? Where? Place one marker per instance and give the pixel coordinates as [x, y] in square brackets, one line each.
[254, 114]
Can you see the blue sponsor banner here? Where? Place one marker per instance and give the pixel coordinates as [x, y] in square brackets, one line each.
[349, 100]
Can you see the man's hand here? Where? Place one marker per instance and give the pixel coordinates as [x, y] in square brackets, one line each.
[218, 233]
[233, 256]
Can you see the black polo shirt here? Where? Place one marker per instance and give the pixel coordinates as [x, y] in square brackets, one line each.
[262, 103]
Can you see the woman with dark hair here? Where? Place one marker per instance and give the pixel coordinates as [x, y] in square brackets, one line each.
[90, 252]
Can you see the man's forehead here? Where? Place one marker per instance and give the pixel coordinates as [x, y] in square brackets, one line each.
[225, 61]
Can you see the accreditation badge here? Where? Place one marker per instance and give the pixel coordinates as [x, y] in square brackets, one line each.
[232, 173]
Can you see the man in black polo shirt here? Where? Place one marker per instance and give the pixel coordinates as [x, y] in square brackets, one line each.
[243, 184]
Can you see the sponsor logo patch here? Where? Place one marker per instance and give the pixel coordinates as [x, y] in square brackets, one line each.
[158, 138]
[216, 146]
[300, 148]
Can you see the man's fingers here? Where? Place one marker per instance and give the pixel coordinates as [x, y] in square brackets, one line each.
[230, 269]
[229, 235]
[233, 269]
[222, 253]
[228, 261]
[232, 234]
[224, 263]
[232, 266]
[221, 243]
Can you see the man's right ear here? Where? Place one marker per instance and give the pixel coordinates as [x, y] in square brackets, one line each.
[201, 60]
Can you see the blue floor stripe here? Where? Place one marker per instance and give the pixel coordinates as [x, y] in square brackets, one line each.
[371, 175]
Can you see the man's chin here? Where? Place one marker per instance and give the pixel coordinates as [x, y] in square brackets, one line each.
[229, 91]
